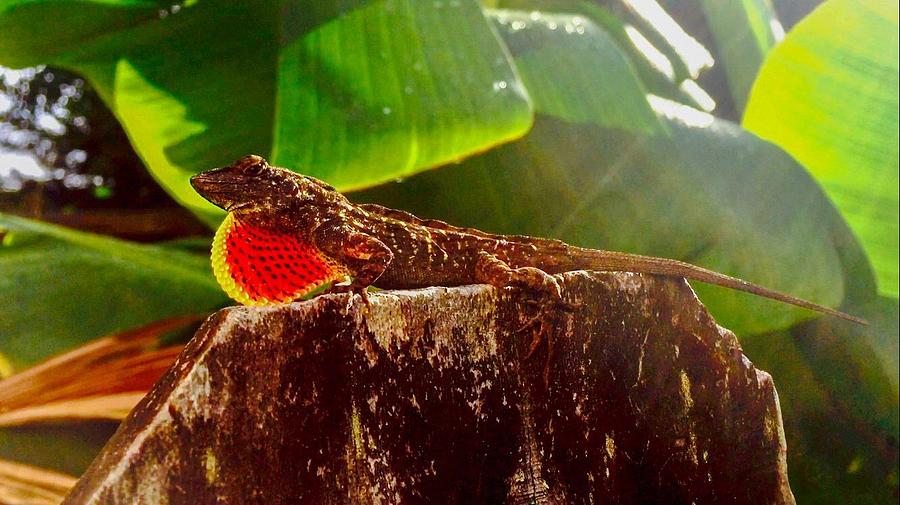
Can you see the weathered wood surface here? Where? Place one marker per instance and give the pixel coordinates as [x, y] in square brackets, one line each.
[426, 398]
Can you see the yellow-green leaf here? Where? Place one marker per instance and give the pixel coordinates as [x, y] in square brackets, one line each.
[828, 94]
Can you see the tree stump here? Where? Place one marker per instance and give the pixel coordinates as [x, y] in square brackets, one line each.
[427, 396]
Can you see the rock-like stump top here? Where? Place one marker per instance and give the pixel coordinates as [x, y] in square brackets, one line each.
[426, 397]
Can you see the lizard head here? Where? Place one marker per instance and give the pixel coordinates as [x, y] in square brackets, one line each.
[251, 184]
[257, 259]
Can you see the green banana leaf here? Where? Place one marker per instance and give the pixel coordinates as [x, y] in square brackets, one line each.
[578, 71]
[828, 95]
[355, 92]
[837, 386]
[61, 288]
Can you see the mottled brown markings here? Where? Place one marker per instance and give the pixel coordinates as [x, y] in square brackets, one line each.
[391, 248]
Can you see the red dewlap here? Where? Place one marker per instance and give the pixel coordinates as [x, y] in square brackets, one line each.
[274, 266]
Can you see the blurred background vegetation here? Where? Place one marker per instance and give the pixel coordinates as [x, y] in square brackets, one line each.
[756, 138]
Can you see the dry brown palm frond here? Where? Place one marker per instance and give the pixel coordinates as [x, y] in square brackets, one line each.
[22, 484]
[102, 379]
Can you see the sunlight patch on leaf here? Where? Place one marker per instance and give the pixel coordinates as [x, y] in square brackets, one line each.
[695, 56]
[653, 55]
[685, 115]
[6, 367]
[698, 94]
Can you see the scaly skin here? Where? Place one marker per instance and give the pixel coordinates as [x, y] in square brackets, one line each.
[325, 237]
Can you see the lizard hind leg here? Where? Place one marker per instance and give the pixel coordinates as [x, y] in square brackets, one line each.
[494, 271]
[537, 284]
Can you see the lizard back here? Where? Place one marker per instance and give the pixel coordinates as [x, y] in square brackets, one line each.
[451, 255]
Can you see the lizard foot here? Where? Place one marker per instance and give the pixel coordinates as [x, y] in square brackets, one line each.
[543, 327]
[352, 290]
[538, 286]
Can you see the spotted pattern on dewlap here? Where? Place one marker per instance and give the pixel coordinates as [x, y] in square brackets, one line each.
[256, 266]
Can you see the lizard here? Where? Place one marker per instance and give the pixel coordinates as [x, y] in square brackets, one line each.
[286, 235]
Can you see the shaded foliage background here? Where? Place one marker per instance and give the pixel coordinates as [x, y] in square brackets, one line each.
[607, 124]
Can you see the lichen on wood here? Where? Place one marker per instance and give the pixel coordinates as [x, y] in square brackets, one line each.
[427, 396]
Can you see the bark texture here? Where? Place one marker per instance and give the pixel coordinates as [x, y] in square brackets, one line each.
[427, 397]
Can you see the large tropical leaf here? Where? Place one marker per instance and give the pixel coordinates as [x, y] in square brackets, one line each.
[356, 92]
[605, 90]
[660, 67]
[61, 287]
[828, 95]
[838, 394]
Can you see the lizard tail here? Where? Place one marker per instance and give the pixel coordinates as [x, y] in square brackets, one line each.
[624, 262]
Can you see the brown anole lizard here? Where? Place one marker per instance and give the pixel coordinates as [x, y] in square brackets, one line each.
[287, 234]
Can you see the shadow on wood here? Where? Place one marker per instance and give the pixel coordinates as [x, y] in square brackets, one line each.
[426, 398]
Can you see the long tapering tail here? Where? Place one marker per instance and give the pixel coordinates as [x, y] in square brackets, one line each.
[623, 262]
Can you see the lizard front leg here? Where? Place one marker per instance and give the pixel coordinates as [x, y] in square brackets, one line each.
[364, 256]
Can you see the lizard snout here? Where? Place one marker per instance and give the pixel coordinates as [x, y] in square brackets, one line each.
[202, 182]
[216, 188]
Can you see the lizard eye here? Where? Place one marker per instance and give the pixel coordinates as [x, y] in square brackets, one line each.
[251, 165]
[255, 170]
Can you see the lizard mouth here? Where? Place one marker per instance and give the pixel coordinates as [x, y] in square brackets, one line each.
[236, 206]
